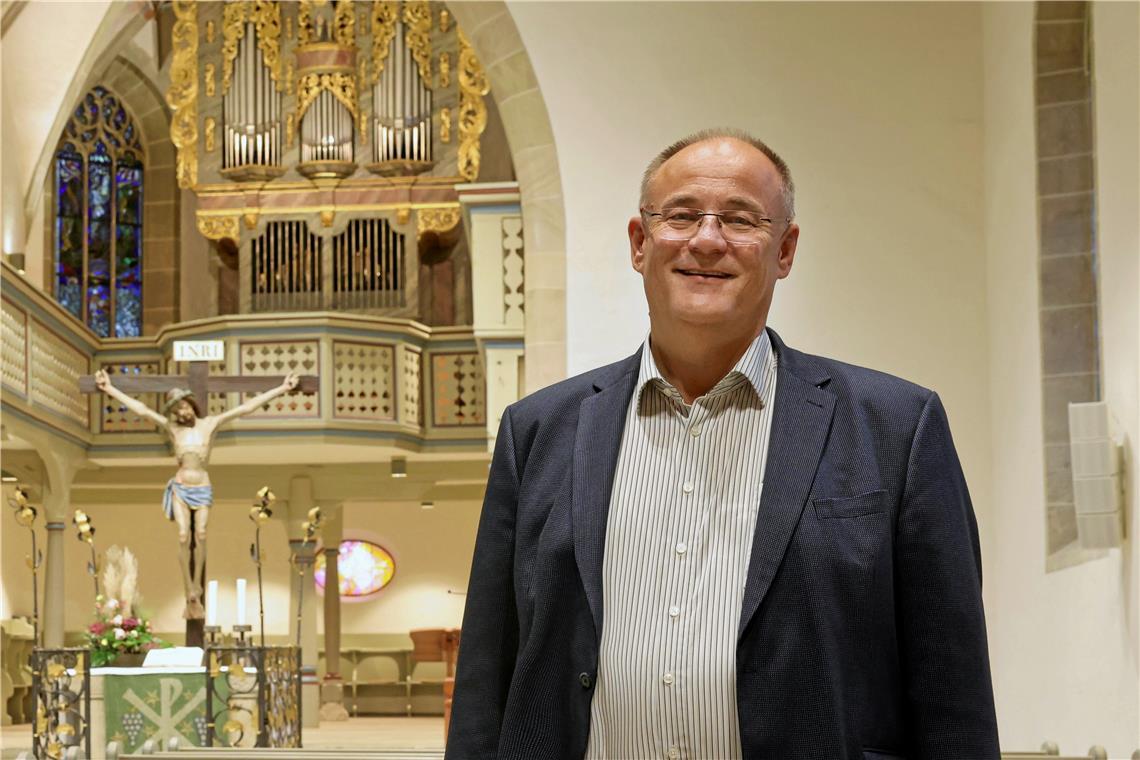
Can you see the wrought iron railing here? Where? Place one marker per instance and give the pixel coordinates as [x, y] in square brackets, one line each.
[61, 693]
[253, 696]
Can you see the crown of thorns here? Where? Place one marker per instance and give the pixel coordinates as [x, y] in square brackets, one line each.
[175, 395]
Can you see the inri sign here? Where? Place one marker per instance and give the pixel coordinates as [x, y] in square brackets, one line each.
[199, 350]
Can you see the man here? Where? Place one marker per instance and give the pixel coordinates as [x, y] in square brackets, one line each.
[189, 494]
[721, 546]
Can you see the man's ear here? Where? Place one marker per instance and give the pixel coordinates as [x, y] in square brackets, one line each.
[787, 253]
[636, 231]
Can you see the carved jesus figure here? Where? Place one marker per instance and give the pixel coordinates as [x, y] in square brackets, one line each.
[189, 495]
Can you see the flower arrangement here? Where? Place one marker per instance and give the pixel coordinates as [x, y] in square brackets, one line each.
[114, 633]
[117, 628]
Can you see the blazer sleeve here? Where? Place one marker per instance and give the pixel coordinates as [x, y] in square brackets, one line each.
[490, 621]
[938, 580]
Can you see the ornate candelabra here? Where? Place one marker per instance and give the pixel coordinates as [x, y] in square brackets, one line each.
[85, 531]
[26, 516]
[310, 528]
[260, 514]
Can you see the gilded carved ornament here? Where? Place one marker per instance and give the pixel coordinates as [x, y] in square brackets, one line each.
[343, 26]
[209, 78]
[472, 110]
[266, 17]
[437, 219]
[445, 125]
[417, 21]
[384, 16]
[211, 32]
[444, 69]
[209, 128]
[341, 85]
[182, 95]
[444, 20]
[218, 227]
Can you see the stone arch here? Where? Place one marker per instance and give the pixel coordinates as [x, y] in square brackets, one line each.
[492, 32]
[161, 197]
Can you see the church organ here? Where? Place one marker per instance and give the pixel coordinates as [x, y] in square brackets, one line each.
[325, 140]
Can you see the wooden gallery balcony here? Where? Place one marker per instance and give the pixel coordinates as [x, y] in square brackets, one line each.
[386, 384]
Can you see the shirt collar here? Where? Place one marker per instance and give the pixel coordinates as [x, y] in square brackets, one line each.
[752, 368]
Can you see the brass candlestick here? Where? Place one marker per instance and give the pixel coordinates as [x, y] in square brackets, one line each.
[260, 514]
[85, 531]
[310, 528]
[26, 516]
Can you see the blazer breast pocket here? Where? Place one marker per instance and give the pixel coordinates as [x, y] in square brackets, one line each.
[870, 503]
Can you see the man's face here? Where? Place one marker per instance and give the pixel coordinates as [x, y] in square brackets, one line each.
[707, 281]
[183, 413]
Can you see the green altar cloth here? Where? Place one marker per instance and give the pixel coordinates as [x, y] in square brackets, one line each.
[132, 705]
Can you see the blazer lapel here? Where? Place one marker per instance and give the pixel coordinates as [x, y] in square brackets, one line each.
[800, 424]
[601, 421]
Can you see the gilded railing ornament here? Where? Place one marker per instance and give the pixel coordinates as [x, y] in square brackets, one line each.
[266, 17]
[472, 110]
[384, 16]
[417, 20]
[437, 219]
[182, 96]
[218, 227]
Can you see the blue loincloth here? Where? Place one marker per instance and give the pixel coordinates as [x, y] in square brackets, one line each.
[192, 496]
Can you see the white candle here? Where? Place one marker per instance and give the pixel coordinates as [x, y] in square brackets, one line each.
[241, 601]
[212, 603]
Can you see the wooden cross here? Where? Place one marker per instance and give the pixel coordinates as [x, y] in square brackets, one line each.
[200, 382]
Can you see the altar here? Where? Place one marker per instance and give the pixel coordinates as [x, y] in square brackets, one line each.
[132, 705]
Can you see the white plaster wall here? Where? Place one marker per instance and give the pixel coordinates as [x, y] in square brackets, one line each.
[1063, 644]
[37, 74]
[432, 549]
[876, 107]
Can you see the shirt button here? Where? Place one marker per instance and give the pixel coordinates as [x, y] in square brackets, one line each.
[667, 679]
[695, 430]
[584, 679]
[681, 548]
[674, 753]
[674, 611]
[687, 487]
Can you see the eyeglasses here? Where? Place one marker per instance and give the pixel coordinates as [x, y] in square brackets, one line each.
[735, 226]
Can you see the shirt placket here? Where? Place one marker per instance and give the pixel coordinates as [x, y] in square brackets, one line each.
[684, 557]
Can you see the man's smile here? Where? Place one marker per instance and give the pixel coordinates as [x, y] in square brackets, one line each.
[702, 274]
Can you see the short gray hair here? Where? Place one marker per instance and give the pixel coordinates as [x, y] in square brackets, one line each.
[788, 192]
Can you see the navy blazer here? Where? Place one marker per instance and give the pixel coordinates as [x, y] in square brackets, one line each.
[861, 635]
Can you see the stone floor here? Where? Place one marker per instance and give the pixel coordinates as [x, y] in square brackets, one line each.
[366, 732]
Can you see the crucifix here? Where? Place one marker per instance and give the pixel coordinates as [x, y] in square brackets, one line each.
[188, 494]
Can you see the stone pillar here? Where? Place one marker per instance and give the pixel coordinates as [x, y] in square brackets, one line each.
[54, 588]
[303, 555]
[332, 687]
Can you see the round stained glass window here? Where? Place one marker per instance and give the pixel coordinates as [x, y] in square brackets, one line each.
[363, 568]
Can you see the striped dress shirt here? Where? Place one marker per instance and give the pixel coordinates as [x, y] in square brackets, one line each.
[678, 538]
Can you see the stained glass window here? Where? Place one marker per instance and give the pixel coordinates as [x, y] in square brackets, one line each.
[362, 567]
[98, 217]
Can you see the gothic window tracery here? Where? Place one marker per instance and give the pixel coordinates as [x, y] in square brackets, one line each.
[98, 216]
